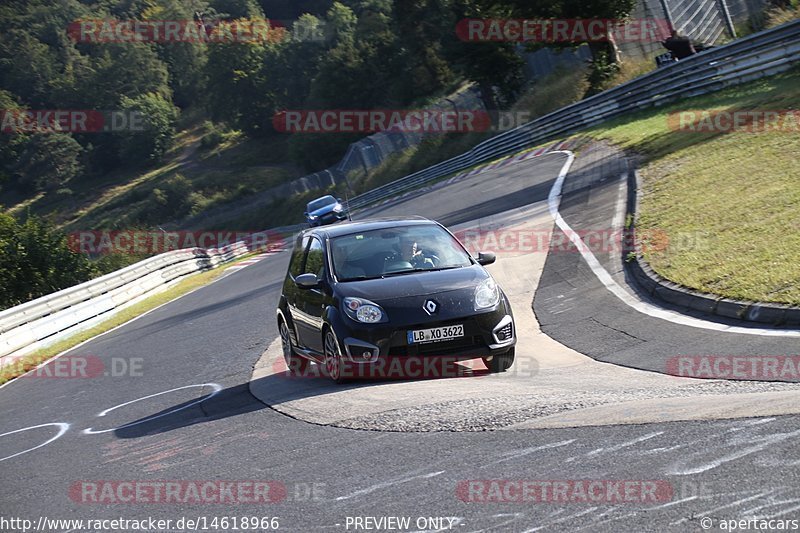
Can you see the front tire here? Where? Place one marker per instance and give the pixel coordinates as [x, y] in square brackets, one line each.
[296, 364]
[500, 363]
[334, 362]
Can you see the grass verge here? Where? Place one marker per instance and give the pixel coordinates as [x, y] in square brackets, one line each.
[184, 286]
[729, 202]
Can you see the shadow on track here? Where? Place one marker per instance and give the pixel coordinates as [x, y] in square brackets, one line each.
[237, 400]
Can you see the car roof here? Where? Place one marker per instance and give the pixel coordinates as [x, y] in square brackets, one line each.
[348, 228]
[323, 197]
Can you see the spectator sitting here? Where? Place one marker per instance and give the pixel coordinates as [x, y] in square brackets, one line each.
[679, 45]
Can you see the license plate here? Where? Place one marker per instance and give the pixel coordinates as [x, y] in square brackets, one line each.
[444, 333]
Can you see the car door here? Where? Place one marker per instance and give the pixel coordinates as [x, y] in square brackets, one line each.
[294, 295]
[312, 302]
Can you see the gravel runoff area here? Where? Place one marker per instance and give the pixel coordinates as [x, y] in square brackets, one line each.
[486, 414]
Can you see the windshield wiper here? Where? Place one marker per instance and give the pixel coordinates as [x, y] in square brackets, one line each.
[359, 278]
[414, 270]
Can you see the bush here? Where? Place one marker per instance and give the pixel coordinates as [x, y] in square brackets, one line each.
[174, 198]
[782, 14]
[157, 118]
[213, 136]
[48, 161]
[36, 260]
[601, 71]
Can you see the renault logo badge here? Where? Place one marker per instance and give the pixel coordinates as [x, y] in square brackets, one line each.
[431, 307]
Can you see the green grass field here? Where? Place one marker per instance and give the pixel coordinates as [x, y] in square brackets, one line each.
[730, 202]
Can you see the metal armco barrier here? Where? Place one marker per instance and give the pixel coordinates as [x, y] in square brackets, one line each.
[753, 57]
[24, 326]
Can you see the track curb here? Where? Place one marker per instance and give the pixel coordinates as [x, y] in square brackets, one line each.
[673, 293]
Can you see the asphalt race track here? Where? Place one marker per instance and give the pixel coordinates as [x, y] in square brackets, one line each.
[177, 400]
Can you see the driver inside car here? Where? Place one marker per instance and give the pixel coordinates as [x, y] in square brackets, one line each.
[410, 251]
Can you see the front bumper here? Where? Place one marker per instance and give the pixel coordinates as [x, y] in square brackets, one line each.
[485, 334]
[328, 218]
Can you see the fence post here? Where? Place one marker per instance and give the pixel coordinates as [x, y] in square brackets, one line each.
[667, 14]
[726, 13]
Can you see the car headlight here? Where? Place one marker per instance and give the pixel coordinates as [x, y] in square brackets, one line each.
[487, 294]
[364, 311]
[338, 208]
[312, 217]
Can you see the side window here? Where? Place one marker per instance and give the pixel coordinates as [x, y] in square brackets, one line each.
[296, 263]
[315, 261]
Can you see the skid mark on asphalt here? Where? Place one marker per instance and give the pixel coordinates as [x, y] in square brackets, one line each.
[624, 444]
[694, 496]
[387, 484]
[764, 441]
[508, 456]
[507, 518]
[171, 452]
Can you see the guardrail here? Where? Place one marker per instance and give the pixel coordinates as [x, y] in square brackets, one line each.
[758, 55]
[24, 326]
[766, 53]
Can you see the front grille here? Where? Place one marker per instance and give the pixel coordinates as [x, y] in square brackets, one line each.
[449, 347]
[456, 346]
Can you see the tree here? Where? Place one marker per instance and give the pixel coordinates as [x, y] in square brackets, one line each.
[292, 71]
[48, 161]
[36, 260]
[292, 9]
[184, 60]
[153, 136]
[123, 70]
[11, 145]
[237, 9]
[238, 87]
[27, 67]
[605, 53]
[423, 26]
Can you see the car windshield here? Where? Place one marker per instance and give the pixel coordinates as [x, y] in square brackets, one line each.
[396, 251]
[321, 202]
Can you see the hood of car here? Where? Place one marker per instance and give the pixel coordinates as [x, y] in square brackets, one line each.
[416, 286]
[323, 210]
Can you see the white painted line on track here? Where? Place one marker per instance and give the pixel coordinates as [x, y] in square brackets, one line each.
[215, 386]
[62, 428]
[554, 201]
[619, 210]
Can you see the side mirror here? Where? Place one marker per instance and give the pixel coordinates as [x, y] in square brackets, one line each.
[307, 281]
[305, 213]
[486, 258]
[340, 201]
